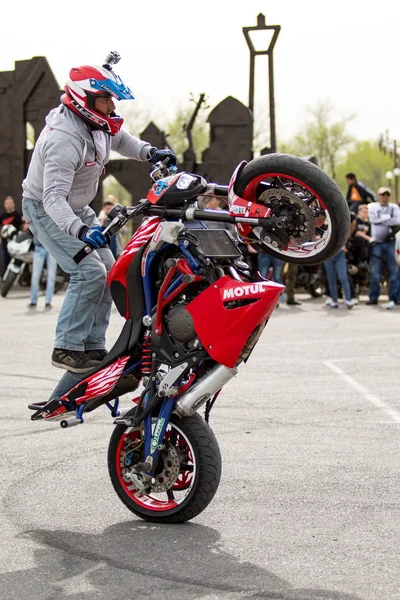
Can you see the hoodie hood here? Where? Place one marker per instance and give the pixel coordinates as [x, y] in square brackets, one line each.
[63, 119]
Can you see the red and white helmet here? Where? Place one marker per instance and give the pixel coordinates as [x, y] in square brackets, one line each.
[88, 82]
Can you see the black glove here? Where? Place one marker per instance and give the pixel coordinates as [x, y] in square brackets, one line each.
[156, 155]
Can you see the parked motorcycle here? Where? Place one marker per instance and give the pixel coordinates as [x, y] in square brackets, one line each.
[19, 270]
[312, 279]
[193, 315]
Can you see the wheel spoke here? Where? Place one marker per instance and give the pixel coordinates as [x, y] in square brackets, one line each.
[320, 230]
[170, 495]
[185, 468]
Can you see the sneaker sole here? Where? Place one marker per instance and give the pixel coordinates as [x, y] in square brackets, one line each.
[72, 369]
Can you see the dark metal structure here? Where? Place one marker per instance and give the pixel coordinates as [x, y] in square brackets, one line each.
[269, 51]
[31, 91]
[26, 96]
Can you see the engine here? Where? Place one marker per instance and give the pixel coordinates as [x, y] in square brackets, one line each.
[179, 324]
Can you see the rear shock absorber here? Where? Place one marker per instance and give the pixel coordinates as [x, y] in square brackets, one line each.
[146, 354]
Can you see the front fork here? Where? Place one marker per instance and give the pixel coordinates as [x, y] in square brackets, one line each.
[153, 438]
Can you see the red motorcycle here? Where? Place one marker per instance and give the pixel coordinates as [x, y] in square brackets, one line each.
[193, 314]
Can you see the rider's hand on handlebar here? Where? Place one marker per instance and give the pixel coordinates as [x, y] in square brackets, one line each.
[93, 236]
[156, 155]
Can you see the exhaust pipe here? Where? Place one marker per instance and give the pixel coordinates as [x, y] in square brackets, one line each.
[204, 389]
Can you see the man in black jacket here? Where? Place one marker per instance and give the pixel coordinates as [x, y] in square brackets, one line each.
[357, 193]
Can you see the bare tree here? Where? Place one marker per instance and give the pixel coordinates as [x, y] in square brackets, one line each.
[323, 136]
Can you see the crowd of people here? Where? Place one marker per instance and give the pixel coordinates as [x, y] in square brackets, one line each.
[370, 257]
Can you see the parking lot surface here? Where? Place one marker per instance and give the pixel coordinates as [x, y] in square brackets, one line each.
[308, 505]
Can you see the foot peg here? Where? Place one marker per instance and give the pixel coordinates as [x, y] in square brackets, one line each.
[70, 422]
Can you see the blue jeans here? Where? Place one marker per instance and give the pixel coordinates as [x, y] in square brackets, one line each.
[397, 283]
[336, 267]
[85, 313]
[40, 257]
[265, 262]
[382, 253]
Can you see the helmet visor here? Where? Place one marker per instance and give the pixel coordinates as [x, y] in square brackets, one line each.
[114, 86]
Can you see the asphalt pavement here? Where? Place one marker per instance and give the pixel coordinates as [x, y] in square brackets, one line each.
[308, 505]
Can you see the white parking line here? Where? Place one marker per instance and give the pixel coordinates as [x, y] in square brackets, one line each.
[385, 408]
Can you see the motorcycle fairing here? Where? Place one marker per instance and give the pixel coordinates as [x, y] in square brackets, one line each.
[224, 328]
[245, 208]
[117, 277]
[176, 189]
[98, 384]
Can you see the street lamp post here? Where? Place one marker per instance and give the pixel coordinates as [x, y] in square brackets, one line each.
[389, 177]
[248, 31]
[390, 146]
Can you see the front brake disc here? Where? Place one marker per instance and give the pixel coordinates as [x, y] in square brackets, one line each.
[301, 221]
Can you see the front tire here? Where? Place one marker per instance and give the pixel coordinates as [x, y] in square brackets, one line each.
[199, 470]
[8, 283]
[298, 182]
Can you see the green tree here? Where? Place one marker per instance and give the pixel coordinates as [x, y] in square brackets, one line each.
[367, 162]
[322, 136]
[177, 137]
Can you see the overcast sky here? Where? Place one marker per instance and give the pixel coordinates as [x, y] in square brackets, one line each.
[344, 51]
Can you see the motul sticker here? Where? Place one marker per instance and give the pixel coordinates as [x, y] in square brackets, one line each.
[144, 257]
[157, 234]
[244, 290]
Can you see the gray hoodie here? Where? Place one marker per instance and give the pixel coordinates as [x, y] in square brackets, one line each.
[66, 165]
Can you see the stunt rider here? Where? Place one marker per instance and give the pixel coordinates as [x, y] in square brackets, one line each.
[62, 180]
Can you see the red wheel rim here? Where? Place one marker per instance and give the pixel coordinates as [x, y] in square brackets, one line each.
[292, 249]
[163, 501]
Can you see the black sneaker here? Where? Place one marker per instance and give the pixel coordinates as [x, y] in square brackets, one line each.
[371, 302]
[31, 306]
[96, 354]
[73, 360]
[48, 306]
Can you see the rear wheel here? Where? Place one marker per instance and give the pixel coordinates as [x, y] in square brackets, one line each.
[187, 474]
[318, 218]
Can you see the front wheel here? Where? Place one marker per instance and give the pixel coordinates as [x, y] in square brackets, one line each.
[187, 475]
[8, 282]
[316, 212]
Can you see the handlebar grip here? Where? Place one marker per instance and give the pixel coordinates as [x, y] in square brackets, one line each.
[221, 190]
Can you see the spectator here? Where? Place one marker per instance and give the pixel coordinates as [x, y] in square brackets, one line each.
[291, 285]
[385, 220]
[357, 193]
[40, 257]
[358, 250]
[362, 234]
[336, 267]
[265, 262]
[209, 203]
[115, 245]
[397, 256]
[10, 216]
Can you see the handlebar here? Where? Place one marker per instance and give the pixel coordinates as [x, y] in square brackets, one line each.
[121, 214]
